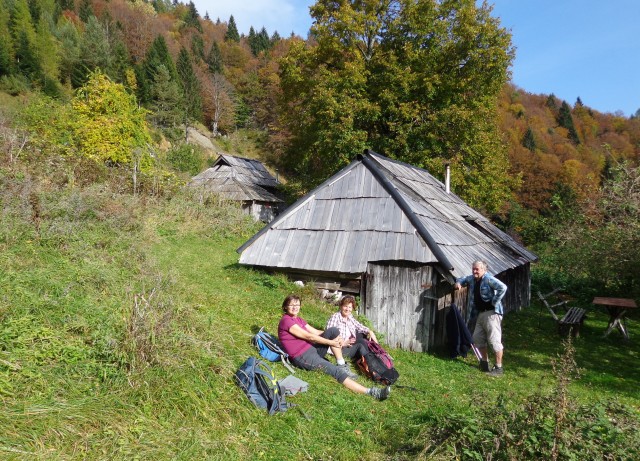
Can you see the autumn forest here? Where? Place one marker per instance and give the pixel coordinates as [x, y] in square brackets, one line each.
[118, 83]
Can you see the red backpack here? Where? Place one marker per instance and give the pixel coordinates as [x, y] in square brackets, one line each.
[377, 364]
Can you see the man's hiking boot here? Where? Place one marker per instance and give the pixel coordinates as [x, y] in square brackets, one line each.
[484, 366]
[497, 371]
[380, 393]
[347, 369]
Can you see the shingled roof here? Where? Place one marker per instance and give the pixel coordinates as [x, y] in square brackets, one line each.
[237, 178]
[378, 209]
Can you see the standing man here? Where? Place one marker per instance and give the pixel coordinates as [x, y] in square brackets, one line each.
[485, 301]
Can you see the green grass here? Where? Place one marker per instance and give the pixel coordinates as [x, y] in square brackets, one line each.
[123, 321]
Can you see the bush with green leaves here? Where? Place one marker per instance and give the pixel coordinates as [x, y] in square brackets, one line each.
[187, 158]
[548, 424]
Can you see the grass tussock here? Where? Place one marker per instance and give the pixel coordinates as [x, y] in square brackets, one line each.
[123, 319]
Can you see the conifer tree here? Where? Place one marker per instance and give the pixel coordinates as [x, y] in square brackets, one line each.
[190, 86]
[214, 59]
[551, 102]
[85, 11]
[23, 35]
[6, 45]
[191, 17]
[69, 39]
[258, 42]
[251, 40]
[565, 120]
[47, 48]
[27, 61]
[66, 5]
[35, 10]
[232, 34]
[95, 52]
[197, 47]
[165, 94]
[157, 55]
[121, 62]
[528, 140]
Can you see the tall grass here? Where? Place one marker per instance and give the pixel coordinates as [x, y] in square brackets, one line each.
[123, 320]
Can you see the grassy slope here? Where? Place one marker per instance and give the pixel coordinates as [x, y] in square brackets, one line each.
[89, 370]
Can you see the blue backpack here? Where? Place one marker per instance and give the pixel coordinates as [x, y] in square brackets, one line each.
[258, 382]
[269, 348]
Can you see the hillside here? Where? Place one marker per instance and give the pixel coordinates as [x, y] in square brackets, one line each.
[123, 319]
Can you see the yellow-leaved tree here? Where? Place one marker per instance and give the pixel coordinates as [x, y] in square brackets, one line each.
[109, 126]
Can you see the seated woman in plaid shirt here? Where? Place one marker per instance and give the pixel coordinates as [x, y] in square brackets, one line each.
[350, 329]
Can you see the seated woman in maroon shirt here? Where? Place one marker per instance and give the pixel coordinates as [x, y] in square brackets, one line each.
[308, 346]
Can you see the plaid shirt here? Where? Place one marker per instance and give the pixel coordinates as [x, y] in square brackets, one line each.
[348, 327]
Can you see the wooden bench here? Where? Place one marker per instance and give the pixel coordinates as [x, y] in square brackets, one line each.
[571, 321]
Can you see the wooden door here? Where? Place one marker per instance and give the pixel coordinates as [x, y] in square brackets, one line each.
[397, 305]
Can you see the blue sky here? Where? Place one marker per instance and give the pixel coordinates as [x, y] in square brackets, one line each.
[571, 48]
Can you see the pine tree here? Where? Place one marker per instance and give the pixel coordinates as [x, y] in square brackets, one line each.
[157, 55]
[214, 59]
[85, 11]
[232, 34]
[197, 47]
[251, 40]
[565, 120]
[6, 45]
[23, 37]
[28, 63]
[165, 94]
[528, 140]
[69, 40]
[35, 10]
[191, 102]
[47, 49]
[191, 17]
[95, 52]
[551, 102]
[121, 62]
[66, 5]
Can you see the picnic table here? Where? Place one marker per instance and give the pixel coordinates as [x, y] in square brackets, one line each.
[617, 308]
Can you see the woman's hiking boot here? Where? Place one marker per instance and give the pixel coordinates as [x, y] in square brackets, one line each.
[380, 393]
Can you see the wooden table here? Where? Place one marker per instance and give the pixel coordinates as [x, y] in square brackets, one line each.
[616, 307]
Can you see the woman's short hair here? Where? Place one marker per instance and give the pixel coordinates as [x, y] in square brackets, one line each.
[288, 299]
[346, 300]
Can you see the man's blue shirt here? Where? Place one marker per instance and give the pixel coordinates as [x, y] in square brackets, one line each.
[491, 290]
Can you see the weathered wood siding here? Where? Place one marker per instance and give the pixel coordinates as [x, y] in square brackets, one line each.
[394, 302]
[413, 318]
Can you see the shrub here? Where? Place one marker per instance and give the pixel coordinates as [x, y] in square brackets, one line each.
[187, 158]
[545, 425]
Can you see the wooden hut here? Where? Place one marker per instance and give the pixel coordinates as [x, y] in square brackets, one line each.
[243, 180]
[394, 234]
